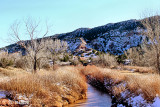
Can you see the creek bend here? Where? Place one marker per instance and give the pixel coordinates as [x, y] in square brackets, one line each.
[95, 98]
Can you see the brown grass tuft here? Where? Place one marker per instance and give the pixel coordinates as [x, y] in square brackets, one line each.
[119, 81]
[93, 71]
[50, 88]
[148, 84]
[141, 69]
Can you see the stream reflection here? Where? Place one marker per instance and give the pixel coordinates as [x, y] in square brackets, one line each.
[95, 98]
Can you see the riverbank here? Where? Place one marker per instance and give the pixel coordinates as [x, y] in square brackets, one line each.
[61, 87]
[126, 87]
[95, 98]
[66, 85]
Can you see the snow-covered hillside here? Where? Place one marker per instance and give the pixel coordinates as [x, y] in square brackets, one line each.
[112, 37]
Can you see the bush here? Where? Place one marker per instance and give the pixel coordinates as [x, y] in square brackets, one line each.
[75, 62]
[23, 62]
[121, 58]
[141, 57]
[105, 60]
[9, 59]
[20, 63]
[94, 51]
[66, 58]
[4, 62]
[99, 53]
[6, 59]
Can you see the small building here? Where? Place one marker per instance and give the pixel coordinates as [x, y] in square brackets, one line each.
[82, 45]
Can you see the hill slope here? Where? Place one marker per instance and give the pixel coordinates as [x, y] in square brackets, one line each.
[112, 37]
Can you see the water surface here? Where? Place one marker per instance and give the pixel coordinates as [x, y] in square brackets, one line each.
[95, 98]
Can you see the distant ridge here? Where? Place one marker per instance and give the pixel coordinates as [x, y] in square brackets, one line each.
[113, 37]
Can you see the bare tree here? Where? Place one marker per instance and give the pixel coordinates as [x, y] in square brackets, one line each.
[56, 48]
[152, 42]
[34, 47]
[136, 56]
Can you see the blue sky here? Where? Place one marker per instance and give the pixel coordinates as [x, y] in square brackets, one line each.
[68, 15]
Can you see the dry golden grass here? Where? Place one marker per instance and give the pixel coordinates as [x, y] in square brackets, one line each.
[50, 88]
[102, 73]
[116, 90]
[141, 69]
[138, 83]
[115, 76]
[148, 84]
[11, 72]
[93, 71]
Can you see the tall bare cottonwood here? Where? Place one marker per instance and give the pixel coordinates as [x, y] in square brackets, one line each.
[34, 47]
[152, 43]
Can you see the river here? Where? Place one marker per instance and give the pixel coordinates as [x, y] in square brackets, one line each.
[95, 98]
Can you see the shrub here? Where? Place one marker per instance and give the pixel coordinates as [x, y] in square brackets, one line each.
[105, 60]
[137, 55]
[121, 58]
[94, 51]
[6, 59]
[9, 59]
[20, 63]
[66, 58]
[44, 63]
[4, 62]
[98, 53]
[24, 62]
[74, 62]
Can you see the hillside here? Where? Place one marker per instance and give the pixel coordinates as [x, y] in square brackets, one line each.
[112, 37]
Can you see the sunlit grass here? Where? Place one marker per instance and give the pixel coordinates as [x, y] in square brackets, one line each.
[119, 81]
[51, 88]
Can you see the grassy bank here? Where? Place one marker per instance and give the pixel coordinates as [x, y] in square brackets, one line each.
[46, 88]
[126, 87]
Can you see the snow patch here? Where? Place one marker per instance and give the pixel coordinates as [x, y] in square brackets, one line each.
[156, 102]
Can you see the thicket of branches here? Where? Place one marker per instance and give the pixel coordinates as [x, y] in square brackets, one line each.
[38, 51]
[148, 54]
[56, 49]
[105, 60]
